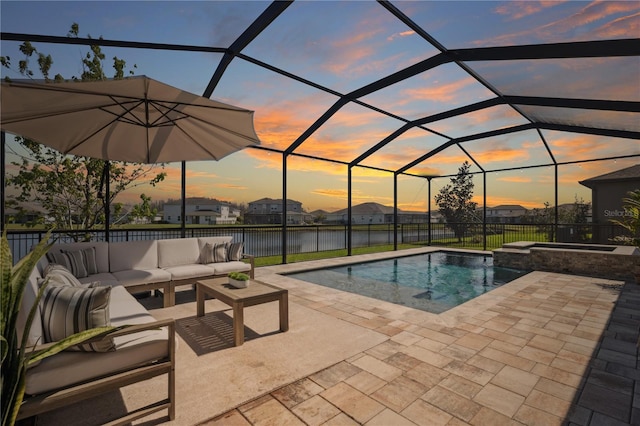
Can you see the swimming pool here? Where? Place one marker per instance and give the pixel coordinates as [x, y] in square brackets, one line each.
[432, 282]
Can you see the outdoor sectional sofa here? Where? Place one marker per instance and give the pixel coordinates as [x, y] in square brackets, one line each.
[145, 348]
[160, 264]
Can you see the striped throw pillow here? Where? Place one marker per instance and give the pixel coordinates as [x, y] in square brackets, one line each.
[67, 310]
[59, 275]
[234, 251]
[214, 253]
[89, 260]
[70, 260]
[81, 263]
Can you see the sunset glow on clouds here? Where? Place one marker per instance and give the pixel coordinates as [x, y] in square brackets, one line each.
[347, 45]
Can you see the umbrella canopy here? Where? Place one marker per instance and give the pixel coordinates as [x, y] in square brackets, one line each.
[135, 119]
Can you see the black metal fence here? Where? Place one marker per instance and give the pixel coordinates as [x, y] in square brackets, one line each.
[267, 240]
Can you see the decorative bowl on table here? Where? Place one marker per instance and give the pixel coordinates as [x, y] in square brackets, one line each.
[238, 280]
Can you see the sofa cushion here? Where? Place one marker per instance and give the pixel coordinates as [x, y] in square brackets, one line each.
[59, 275]
[106, 278]
[90, 260]
[128, 255]
[232, 266]
[67, 310]
[234, 251]
[71, 260]
[212, 253]
[35, 333]
[177, 252]
[101, 252]
[68, 368]
[140, 276]
[185, 272]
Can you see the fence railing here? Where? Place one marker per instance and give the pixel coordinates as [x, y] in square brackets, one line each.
[267, 240]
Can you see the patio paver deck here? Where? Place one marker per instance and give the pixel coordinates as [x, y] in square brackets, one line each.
[547, 349]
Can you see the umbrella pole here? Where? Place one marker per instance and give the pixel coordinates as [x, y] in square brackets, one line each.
[183, 201]
[107, 204]
[3, 138]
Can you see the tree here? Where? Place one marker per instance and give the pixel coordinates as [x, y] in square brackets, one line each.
[144, 210]
[70, 187]
[631, 220]
[454, 201]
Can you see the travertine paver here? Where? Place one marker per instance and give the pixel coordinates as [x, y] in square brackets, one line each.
[352, 402]
[271, 412]
[315, 411]
[515, 380]
[452, 403]
[399, 393]
[378, 368]
[551, 349]
[487, 416]
[365, 382]
[297, 392]
[423, 413]
[499, 399]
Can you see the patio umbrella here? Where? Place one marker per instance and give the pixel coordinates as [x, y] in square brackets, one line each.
[135, 119]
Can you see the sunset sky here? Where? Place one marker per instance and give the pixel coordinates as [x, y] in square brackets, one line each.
[343, 46]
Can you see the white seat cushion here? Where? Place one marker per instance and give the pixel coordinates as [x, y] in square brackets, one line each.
[185, 272]
[105, 278]
[231, 266]
[139, 276]
[67, 368]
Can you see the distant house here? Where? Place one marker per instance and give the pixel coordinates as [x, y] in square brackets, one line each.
[506, 213]
[607, 192]
[269, 211]
[200, 211]
[374, 213]
[27, 212]
[319, 216]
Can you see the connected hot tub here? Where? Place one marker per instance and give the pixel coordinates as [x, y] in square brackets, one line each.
[606, 261]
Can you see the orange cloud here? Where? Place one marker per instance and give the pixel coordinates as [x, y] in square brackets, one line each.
[231, 186]
[437, 92]
[329, 192]
[572, 25]
[401, 35]
[515, 179]
[519, 10]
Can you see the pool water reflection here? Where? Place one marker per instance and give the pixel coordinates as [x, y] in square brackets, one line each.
[432, 282]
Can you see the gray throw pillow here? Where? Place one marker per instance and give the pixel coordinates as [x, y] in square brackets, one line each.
[67, 310]
[234, 251]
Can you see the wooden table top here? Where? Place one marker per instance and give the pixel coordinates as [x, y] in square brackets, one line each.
[254, 289]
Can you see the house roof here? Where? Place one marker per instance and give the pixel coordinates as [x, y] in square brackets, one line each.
[507, 207]
[372, 209]
[273, 201]
[627, 174]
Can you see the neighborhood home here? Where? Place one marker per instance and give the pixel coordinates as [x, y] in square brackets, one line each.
[374, 213]
[607, 192]
[507, 213]
[200, 211]
[269, 211]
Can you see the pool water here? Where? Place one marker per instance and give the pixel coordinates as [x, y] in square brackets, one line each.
[432, 282]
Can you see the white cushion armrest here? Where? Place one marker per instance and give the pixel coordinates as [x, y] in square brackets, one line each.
[140, 344]
[223, 268]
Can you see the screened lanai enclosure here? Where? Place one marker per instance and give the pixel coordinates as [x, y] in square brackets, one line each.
[374, 102]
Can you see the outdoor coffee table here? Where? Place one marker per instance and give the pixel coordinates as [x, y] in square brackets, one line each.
[238, 298]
